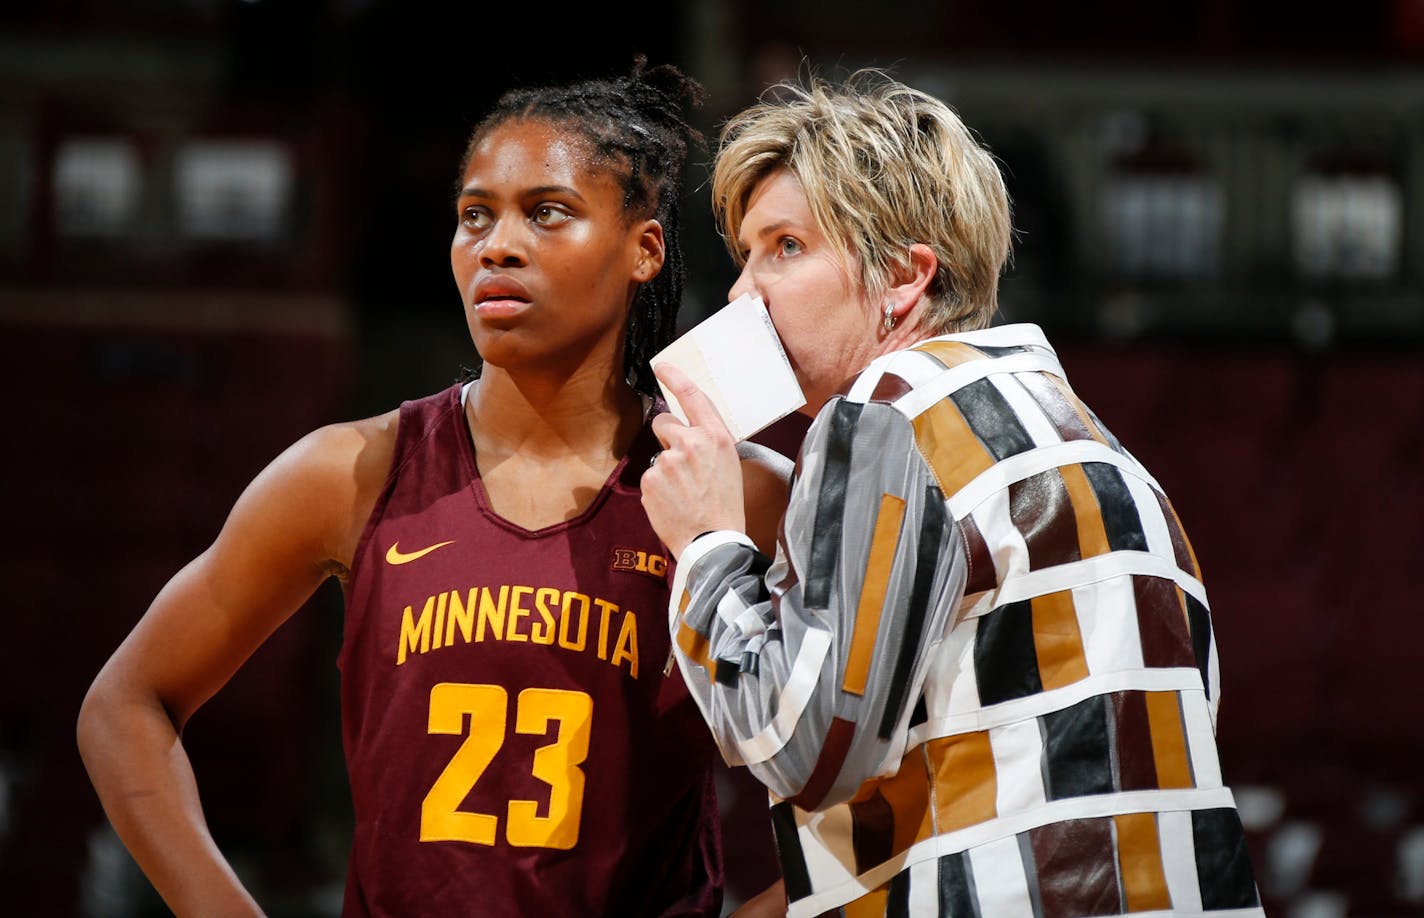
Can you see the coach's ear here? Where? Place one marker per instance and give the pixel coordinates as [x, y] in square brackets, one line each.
[909, 283]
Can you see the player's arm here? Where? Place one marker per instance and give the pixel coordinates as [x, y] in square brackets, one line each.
[290, 529]
[766, 484]
[769, 903]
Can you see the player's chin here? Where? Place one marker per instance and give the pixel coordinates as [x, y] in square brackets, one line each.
[501, 347]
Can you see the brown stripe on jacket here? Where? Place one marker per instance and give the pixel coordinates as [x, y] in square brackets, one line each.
[1076, 866]
[1085, 417]
[890, 815]
[828, 765]
[1181, 545]
[1136, 768]
[1061, 410]
[1042, 510]
[980, 574]
[1162, 623]
[872, 828]
[890, 387]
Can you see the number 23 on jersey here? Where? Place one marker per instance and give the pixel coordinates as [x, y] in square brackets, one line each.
[556, 764]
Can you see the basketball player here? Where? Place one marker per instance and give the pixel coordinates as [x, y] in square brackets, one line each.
[513, 744]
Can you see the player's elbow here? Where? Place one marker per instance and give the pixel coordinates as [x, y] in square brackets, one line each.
[109, 715]
[96, 716]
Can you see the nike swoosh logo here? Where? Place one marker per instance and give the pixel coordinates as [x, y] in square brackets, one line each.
[395, 556]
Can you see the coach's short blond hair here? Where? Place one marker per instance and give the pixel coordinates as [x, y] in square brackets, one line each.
[883, 166]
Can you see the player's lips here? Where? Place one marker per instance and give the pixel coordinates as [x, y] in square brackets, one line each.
[496, 297]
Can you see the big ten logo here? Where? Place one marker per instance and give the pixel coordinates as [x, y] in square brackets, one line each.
[629, 559]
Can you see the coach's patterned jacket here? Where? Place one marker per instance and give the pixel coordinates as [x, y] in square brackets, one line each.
[980, 677]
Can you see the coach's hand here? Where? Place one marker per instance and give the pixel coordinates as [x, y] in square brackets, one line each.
[695, 484]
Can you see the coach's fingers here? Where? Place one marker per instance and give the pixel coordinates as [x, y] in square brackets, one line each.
[695, 404]
[667, 428]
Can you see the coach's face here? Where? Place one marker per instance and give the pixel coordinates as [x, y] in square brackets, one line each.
[821, 311]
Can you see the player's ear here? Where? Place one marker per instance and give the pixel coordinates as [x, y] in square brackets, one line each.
[652, 249]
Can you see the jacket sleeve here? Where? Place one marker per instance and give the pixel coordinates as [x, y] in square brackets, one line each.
[808, 669]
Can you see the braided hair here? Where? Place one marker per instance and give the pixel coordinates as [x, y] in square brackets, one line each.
[635, 126]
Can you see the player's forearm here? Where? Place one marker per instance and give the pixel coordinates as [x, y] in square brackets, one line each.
[145, 782]
[769, 903]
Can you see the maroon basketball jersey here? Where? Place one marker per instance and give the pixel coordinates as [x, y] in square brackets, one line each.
[513, 745]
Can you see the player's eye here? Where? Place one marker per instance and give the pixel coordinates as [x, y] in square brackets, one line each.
[549, 215]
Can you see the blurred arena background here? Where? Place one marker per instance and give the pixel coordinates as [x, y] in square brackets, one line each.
[226, 222]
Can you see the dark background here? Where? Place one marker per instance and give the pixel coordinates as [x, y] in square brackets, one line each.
[1221, 221]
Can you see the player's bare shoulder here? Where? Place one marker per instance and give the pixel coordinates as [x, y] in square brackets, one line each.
[349, 463]
[298, 520]
[313, 500]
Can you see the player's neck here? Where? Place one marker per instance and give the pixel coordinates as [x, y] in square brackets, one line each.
[584, 413]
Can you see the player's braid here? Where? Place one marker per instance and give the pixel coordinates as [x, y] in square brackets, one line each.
[635, 124]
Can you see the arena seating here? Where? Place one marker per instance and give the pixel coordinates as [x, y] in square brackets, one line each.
[131, 435]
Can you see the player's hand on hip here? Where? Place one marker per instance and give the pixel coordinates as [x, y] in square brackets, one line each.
[695, 484]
